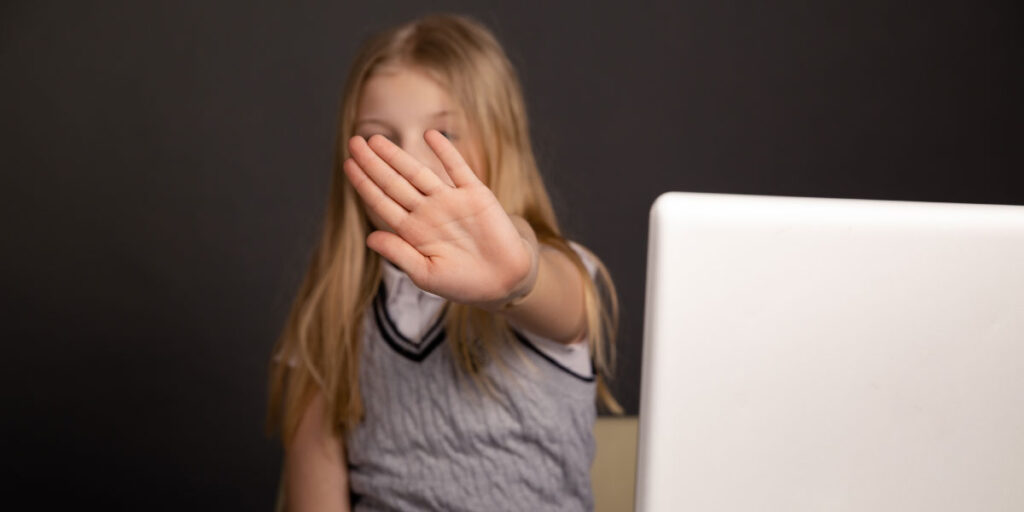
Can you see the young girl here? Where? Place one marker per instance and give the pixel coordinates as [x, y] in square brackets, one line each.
[439, 231]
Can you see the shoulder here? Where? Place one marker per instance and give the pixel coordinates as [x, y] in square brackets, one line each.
[590, 261]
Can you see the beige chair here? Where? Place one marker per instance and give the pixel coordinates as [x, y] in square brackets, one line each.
[613, 474]
[614, 469]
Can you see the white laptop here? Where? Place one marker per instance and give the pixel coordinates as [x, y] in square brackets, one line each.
[807, 354]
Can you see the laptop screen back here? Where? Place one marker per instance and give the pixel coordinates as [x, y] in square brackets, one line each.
[832, 354]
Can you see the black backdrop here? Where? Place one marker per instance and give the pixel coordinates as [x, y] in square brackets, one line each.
[165, 166]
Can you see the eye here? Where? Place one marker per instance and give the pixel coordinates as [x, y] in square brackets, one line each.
[448, 135]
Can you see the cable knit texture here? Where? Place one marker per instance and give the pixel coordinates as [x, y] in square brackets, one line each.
[431, 440]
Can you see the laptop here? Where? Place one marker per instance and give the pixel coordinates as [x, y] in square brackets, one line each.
[832, 355]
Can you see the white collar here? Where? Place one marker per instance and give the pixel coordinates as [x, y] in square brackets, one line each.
[411, 308]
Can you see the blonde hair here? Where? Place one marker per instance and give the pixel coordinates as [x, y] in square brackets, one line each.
[322, 331]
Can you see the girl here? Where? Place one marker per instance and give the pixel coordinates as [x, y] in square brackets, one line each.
[439, 231]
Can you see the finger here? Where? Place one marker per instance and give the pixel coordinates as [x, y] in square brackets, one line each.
[411, 169]
[396, 250]
[388, 179]
[375, 199]
[453, 162]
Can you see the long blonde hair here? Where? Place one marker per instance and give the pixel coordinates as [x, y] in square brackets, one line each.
[322, 332]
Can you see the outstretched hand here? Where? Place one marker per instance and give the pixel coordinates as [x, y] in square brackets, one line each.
[454, 240]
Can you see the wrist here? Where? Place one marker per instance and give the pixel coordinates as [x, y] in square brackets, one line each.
[521, 292]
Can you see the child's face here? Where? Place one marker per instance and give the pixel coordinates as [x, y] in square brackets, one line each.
[402, 103]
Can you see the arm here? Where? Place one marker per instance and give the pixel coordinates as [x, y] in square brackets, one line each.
[457, 241]
[552, 305]
[316, 477]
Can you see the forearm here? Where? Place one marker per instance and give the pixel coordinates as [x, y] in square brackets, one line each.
[553, 306]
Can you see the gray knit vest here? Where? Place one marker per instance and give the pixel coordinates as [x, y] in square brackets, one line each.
[432, 440]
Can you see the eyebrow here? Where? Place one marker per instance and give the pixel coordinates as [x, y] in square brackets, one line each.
[435, 115]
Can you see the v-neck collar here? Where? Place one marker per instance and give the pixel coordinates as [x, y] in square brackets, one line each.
[399, 342]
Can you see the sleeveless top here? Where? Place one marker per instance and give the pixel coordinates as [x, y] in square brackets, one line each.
[431, 439]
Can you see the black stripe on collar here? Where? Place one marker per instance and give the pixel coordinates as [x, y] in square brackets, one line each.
[396, 340]
[522, 339]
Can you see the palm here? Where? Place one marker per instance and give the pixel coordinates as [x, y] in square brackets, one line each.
[454, 241]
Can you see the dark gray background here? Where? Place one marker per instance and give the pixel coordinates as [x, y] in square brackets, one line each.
[165, 167]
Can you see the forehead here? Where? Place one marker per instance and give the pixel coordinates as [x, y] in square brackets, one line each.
[398, 91]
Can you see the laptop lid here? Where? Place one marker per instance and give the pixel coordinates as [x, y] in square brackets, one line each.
[832, 354]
